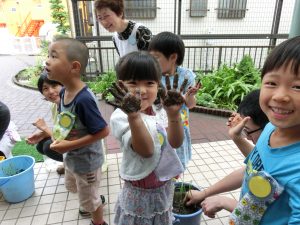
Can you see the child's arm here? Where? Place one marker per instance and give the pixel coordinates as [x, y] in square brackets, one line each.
[236, 125]
[175, 128]
[172, 101]
[41, 125]
[130, 103]
[141, 140]
[36, 137]
[231, 182]
[69, 145]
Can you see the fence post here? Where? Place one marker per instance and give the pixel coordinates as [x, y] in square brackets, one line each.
[220, 57]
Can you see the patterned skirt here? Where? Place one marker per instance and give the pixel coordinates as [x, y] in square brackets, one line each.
[138, 206]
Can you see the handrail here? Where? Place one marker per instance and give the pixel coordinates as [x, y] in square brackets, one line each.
[24, 25]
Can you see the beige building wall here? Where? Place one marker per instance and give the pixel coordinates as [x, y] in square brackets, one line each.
[13, 13]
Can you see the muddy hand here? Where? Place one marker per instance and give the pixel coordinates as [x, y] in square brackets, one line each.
[124, 99]
[172, 96]
[194, 89]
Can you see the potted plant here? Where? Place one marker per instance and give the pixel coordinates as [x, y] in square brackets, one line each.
[183, 214]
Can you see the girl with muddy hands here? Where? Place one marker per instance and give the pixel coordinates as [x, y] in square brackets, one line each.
[129, 100]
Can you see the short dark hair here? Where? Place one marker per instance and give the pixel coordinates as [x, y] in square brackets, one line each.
[249, 106]
[117, 6]
[168, 43]
[44, 79]
[138, 65]
[75, 51]
[283, 54]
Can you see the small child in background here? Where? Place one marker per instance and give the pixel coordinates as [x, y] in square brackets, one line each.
[168, 49]
[149, 161]
[79, 114]
[249, 121]
[42, 138]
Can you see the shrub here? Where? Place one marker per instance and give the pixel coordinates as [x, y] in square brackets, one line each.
[103, 83]
[226, 87]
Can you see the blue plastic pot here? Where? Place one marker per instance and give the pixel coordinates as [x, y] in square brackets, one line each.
[17, 178]
[188, 219]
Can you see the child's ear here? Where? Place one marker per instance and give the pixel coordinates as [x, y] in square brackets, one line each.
[76, 66]
[173, 57]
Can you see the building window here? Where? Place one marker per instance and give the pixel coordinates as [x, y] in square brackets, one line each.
[232, 9]
[141, 9]
[198, 8]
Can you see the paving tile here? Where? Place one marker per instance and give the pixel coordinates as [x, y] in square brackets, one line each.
[28, 211]
[55, 217]
[24, 221]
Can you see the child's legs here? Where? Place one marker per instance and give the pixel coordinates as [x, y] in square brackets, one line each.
[70, 181]
[89, 196]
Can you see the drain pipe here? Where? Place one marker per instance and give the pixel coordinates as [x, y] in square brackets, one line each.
[295, 25]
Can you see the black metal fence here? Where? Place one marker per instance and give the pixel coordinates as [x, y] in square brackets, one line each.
[205, 50]
[197, 58]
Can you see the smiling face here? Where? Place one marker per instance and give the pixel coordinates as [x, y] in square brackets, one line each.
[109, 20]
[279, 98]
[51, 92]
[148, 91]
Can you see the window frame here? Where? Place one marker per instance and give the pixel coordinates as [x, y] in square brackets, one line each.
[232, 9]
[198, 12]
[133, 11]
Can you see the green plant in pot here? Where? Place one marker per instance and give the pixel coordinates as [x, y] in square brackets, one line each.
[183, 214]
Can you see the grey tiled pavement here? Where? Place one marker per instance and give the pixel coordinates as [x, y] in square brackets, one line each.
[213, 158]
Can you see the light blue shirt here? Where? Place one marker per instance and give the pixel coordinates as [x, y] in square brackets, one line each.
[184, 152]
[283, 164]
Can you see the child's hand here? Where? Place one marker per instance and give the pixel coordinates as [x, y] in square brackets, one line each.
[192, 91]
[194, 197]
[236, 125]
[125, 100]
[62, 146]
[171, 98]
[35, 138]
[212, 205]
[40, 124]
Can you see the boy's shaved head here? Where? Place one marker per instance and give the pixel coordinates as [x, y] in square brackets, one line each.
[75, 51]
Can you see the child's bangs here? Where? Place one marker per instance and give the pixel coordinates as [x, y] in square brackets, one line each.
[145, 71]
[138, 66]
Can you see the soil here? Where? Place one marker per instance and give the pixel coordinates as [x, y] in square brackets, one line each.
[179, 206]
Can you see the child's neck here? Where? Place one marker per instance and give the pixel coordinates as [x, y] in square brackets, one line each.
[171, 72]
[149, 111]
[283, 137]
[72, 89]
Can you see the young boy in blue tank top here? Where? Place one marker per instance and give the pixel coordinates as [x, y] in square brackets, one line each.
[168, 49]
[79, 113]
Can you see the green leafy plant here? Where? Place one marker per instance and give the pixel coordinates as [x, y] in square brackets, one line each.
[179, 206]
[102, 83]
[59, 16]
[31, 74]
[226, 87]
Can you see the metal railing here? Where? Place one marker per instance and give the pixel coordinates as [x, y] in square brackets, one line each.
[197, 58]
